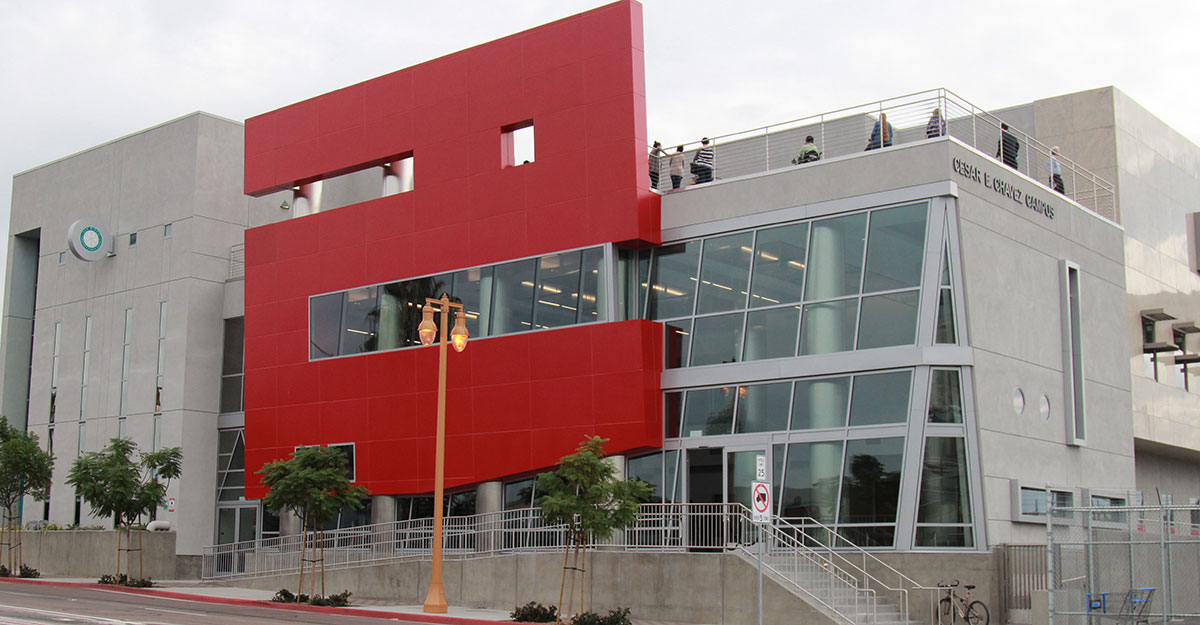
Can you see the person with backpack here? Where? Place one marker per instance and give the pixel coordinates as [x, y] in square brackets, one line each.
[881, 134]
[808, 152]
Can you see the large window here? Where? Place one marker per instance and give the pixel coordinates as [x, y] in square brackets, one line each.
[231, 365]
[869, 399]
[828, 285]
[551, 291]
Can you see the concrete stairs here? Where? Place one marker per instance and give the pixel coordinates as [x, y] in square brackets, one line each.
[829, 591]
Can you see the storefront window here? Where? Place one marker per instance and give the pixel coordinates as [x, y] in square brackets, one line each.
[945, 498]
[724, 273]
[880, 398]
[763, 407]
[779, 258]
[718, 340]
[672, 281]
[835, 257]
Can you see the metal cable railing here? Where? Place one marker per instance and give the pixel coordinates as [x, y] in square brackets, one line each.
[913, 117]
[810, 558]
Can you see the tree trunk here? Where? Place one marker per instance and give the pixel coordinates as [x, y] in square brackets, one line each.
[562, 586]
[582, 571]
[303, 548]
[118, 528]
[322, 562]
[141, 571]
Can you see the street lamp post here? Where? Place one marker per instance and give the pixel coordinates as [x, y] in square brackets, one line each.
[435, 601]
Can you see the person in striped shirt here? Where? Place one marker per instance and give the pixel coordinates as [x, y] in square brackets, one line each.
[704, 164]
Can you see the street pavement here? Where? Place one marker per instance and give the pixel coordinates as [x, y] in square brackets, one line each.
[82, 602]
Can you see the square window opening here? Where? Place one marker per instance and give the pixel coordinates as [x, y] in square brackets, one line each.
[517, 144]
[132, 239]
[166, 230]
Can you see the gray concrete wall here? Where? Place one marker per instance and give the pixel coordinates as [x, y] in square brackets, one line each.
[92, 553]
[685, 587]
[1011, 274]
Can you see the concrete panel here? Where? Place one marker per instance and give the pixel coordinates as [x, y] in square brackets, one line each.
[92, 553]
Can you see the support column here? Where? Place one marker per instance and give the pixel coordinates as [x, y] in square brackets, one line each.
[489, 498]
[383, 509]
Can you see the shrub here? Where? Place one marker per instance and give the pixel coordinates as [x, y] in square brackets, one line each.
[4, 572]
[29, 572]
[341, 599]
[618, 616]
[125, 580]
[534, 612]
[284, 596]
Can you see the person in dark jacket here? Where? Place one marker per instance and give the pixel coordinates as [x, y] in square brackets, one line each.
[704, 162]
[1007, 147]
[881, 134]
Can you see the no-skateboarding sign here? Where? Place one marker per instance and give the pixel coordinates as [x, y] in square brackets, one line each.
[760, 502]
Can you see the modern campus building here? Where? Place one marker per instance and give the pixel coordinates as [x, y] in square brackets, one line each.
[925, 343]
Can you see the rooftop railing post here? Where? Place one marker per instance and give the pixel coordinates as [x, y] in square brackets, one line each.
[767, 148]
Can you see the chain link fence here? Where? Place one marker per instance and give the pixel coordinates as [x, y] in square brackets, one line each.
[1128, 564]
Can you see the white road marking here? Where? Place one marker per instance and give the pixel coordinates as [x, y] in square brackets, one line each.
[61, 615]
[187, 612]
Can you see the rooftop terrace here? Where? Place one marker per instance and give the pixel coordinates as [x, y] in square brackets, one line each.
[912, 117]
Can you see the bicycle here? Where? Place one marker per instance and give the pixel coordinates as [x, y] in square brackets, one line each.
[961, 606]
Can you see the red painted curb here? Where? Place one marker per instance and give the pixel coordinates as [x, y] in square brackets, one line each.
[351, 611]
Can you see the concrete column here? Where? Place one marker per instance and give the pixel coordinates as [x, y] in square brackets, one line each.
[619, 463]
[489, 497]
[289, 524]
[383, 509]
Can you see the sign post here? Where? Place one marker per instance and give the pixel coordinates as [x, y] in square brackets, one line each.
[760, 511]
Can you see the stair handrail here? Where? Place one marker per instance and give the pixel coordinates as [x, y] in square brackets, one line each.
[836, 538]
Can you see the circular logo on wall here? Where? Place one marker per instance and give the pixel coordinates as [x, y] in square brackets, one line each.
[86, 240]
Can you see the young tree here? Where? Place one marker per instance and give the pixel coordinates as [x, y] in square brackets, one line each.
[121, 482]
[25, 469]
[313, 485]
[586, 495]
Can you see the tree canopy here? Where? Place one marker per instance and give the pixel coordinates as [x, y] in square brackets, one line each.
[121, 482]
[25, 468]
[312, 484]
[585, 494]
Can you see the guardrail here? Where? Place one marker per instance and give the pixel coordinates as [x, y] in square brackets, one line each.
[809, 558]
[914, 117]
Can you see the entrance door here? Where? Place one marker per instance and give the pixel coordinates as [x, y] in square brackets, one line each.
[235, 525]
[718, 475]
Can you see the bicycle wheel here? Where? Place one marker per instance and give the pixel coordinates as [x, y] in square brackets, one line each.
[977, 613]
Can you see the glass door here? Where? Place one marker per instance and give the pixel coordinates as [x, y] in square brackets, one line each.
[741, 470]
[235, 525]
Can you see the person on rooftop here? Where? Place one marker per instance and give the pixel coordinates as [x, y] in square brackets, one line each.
[1055, 167]
[676, 165]
[1007, 147]
[936, 126]
[881, 134]
[655, 160]
[704, 163]
[808, 152]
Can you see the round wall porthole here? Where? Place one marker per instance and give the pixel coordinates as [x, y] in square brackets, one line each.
[1018, 401]
[1044, 408]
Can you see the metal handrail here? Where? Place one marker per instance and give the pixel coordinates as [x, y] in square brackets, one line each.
[849, 592]
[846, 131]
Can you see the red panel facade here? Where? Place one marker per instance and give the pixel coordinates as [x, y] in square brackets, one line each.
[515, 403]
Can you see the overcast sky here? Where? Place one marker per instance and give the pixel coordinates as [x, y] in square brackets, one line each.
[79, 73]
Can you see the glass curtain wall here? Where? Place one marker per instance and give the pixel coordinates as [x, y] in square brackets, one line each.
[827, 285]
[551, 291]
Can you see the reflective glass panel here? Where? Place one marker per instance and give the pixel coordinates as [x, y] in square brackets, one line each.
[828, 327]
[473, 288]
[820, 403]
[895, 248]
[888, 320]
[945, 399]
[673, 281]
[945, 537]
[763, 407]
[325, 325]
[740, 469]
[671, 471]
[361, 320]
[231, 361]
[518, 495]
[724, 272]
[871, 480]
[678, 335]
[777, 452]
[708, 411]
[945, 318]
[880, 398]
[944, 490]
[557, 301]
[512, 299]
[779, 258]
[772, 333]
[591, 294]
[867, 536]
[648, 469]
[835, 257]
[718, 339]
[672, 413]
[400, 309]
[810, 482]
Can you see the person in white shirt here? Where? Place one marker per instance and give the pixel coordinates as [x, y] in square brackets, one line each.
[1056, 180]
[676, 164]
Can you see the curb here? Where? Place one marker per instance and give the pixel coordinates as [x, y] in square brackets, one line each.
[418, 617]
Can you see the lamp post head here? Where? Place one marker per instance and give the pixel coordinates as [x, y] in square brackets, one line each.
[427, 330]
[459, 335]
